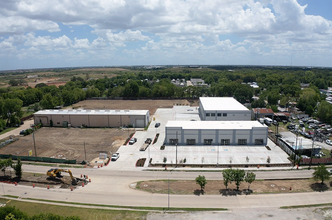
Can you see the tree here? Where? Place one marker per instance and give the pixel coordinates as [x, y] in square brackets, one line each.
[48, 101]
[18, 168]
[260, 103]
[201, 181]
[249, 178]
[238, 177]
[321, 173]
[227, 175]
[309, 110]
[274, 108]
[5, 163]
[13, 82]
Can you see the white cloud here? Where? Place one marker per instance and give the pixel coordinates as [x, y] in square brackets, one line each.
[47, 42]
[20, 25]
[167, 28]
[81, 43]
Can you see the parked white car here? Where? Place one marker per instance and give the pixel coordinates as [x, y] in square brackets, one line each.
[115, 156]
[132, 141]
[329, 142]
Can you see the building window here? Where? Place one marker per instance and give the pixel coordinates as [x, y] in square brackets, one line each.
[219, 114]
[207, 114]
[191, 141]
[224, 114]
[213, 114]
[207, 141]
[259, 141]
[242, 141]
[58, 123]
[225, 142]
[173, 141]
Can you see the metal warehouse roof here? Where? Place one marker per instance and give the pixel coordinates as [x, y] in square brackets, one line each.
[221, 103]
[221, 125]
[91, 112]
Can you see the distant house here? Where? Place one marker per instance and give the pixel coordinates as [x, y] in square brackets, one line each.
[261, 113]
[253, 85]
[179, 82]
[304, 85]
[196, 82]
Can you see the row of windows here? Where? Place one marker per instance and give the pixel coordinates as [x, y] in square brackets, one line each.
[214, 114]
[222, 142]
[218, 114]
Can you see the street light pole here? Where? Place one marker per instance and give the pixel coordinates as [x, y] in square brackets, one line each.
[168, 192]
[218, 155]
[149, 155]
[176, 150]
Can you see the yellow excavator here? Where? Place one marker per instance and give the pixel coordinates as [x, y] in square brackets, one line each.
[55, 172]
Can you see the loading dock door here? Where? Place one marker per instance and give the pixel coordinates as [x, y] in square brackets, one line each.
[139, 123]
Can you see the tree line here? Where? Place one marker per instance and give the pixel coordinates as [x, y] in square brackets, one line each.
[277, 86]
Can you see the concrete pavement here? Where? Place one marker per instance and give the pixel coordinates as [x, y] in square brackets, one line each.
[16, 131]
[119, 193]
[113, 187]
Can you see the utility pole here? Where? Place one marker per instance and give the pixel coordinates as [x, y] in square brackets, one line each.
[297, 134]
[34, 143]
[84, 151]
[312, 149]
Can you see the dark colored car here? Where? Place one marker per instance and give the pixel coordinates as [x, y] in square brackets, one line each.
[157, 125]
[22, 132]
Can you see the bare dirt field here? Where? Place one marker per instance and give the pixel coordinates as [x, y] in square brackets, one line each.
[47, 80]
[66, 143]
[98, 69]
[150, 105]
[217, 187]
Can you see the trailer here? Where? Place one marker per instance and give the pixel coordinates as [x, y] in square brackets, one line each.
[146, 144]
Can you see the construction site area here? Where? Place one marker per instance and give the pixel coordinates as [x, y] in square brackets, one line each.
[69, 143]
[84, 144]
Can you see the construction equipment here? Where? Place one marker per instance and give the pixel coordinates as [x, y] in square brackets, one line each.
[55, 172]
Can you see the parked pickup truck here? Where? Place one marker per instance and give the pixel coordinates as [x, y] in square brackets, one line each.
[115, 156]
[146, 144]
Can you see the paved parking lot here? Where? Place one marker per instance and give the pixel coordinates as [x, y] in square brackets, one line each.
[193, 154]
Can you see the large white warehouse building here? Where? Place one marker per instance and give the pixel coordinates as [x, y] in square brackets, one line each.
[222, 109]
[215, 133]
[93, 118]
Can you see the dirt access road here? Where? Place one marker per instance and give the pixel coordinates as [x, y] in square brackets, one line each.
[64, 143]
[150, 105]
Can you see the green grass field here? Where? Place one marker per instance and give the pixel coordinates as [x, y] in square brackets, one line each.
[32, 208]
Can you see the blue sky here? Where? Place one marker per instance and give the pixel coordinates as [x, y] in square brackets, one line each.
[47, 34]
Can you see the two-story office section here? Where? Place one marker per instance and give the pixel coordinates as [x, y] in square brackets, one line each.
[215, 133]
[222, 109]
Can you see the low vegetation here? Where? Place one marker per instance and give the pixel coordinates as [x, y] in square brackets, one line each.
[58, 212]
